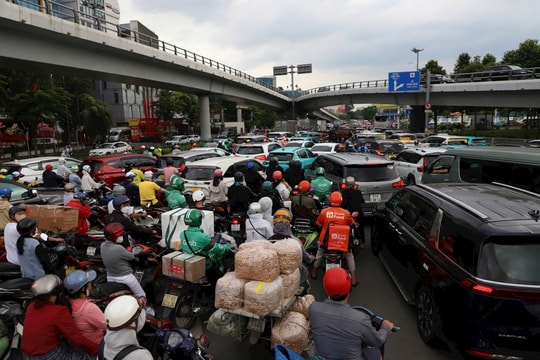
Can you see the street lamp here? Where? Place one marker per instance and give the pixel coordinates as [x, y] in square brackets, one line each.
[417, 52]
[284, 70]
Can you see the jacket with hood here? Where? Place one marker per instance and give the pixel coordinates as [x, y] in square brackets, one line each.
[88, 184]
[116, 341]
[218, 194]
[89, 319]
[266, 205]
[258, 228]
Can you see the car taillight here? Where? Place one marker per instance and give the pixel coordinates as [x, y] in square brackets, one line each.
[378, 152]
[398, 184]
[261, 157]
[500, 292]
[421, 167]
[99, 172]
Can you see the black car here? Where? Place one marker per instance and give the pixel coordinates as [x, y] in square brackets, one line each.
[467, 256]
[506, 72]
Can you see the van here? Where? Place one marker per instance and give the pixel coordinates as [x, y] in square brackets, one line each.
[519, 167]
[119, 134]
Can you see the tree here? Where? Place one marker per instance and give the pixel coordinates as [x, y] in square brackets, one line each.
[167, 105]
[434, 67]
[96, 115]
[527, 55]
[369, 112]
[464, 64]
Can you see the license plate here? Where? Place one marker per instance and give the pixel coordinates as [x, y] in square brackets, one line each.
[374, 198]
[90, 251]
[235, 227]
[331, 266]
[169, 301]
[69, 269]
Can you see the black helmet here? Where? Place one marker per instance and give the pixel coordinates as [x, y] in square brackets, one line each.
[274, 160]
[169, 161]
[15, 209]
[26, 226]
[238, 176]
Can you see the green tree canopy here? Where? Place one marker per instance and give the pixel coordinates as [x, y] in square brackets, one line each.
[527, 55]
[96, 115]
[434, 68]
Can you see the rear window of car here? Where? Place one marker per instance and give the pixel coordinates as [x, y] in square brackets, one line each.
[198, 173]
[391, 147]
[177, 162]
[283, 156]
[250, 150]
[511, 260]
[323, 148]
[371, 173]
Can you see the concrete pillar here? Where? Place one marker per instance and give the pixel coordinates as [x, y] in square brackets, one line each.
[204, 117]
[417, 120]
[239, 119]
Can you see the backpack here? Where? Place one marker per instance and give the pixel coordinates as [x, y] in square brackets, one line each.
[122, 354]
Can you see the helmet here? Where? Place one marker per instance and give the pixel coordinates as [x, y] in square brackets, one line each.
[254, 208]
[46, 285]
[274, 161]
[69, 187]
[15, 209]
[61, 160]
[296, 164]
[80, 195]
[277, 175]
[152, 148]
[16, 174]
[340, 147]
[74, 167]
[3, 171]
[118, 190]
[320, 171]
[249, 165]
[76, 279]
[86, 168]
[176, 147]
[142, 147]
[267, 185]
[148, 175]
[198, 196]
[26, 226]
[218, 173]
[113, 231]
[349, 181]
[48, 167]
[122, 311]
[177, 182]
[5, 192]
[9, 177]
[193, 217]
[238, 176]
[282, 215]
[335, 199]
[337, 283]
[130, 175]
[169, 161]
[177, 201]
[304, 186]
[119, 200]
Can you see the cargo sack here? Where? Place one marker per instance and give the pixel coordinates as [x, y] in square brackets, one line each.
[338, 237]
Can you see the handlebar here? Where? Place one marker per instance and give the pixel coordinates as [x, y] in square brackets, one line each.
[376, 320]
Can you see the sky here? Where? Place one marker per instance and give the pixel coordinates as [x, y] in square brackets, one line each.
[345, 41]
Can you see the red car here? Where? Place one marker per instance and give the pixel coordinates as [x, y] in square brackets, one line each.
[111, 168]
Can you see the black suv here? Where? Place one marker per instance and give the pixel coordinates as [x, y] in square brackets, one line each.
[468, 257]
[506, 72]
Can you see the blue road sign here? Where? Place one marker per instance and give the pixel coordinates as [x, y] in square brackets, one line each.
[404, 81]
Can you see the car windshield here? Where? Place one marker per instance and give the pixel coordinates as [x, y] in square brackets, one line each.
[322, 148]
[511, 260]
[177, 162]
[294, 144]
[478, 141]
[198, 173]
[391, 147]
[105, 146]
[250, 150]
[372, 172]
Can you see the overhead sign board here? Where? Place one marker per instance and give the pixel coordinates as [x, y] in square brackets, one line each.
[404, 81]
[304, 68]
[280, 70]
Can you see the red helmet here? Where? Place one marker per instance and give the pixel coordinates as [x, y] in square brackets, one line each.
[113, 231]
[304, 186]
[218, 173]
[335, 199]
[277, 175]
[337, 283]
[48, 167]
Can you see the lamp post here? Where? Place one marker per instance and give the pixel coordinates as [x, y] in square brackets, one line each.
[417, 52]
[284, 70]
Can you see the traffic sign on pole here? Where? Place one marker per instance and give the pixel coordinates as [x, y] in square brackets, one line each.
[427, 106]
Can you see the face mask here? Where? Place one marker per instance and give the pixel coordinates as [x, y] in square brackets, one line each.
[127, 210]
[19, 217]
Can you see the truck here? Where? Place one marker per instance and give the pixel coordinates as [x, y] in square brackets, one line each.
[119, 134]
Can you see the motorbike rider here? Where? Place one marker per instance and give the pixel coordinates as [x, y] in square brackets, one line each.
[174, 196]
[253, 179]
[5, 205]
[273, 165]
[199, 201]
[74, 178]
[16, 214]
[79, 202]
[124, 317]
[240, 196]
[339, 331]
[334, 214]
[322, 186]
[117, 258]
[116, 191]
[294, 174]
[218, 193]
[86, 315]
[266, 207]
[304, 206]
[352, 201]
[62, 170]
[147, 191]
[281, 186]
[51, 179]
[121, 214]
[282, 230]
[49, 327]
[69, 192]
[169, 170]
[89, 185]
[176, 150]
[227, 144]
[269, 191]
[195, 241]
[132, 190]
[135, 168]
[257, 228]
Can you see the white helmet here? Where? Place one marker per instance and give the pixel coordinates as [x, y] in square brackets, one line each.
[254, 208]
[118, 190]
[87, 168]
[46, 285]
[61, 160]
[122, 312]
[198, 196]
[148, 175]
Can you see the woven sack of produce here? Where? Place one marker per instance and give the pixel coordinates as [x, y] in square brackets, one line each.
[256, 264]
[261, 298]
[289, 253]
[229, 292]
[291, 283]
[292, 330]
[302, 304]
[224, 323]
[255, 244]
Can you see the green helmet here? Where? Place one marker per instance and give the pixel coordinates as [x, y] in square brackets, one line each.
[320, 171]
[267, 185]
[193, 217]
[177, 183]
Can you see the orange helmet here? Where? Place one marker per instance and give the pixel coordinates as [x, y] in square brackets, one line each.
[335, 199]
[304, 186]
[337, 283]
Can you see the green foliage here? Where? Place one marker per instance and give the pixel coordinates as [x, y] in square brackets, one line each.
[369, 112]
[434, 67]
[527, 55]
[96, 115]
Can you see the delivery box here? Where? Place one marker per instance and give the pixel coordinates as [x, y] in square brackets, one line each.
[184, 266]
[57, 219]
[172, 223]
[338, 237]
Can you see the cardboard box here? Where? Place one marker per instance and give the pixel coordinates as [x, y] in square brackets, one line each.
[57, 219]
[172, 223]
[184, 266]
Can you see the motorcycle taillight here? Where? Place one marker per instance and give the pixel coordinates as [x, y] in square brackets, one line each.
[235, 221]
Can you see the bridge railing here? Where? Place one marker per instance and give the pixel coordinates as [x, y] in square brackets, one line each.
[94, 21]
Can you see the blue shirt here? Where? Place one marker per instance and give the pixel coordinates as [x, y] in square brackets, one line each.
[29, 262]
[75, 179]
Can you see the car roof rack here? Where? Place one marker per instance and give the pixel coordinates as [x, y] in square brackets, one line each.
[454, 200]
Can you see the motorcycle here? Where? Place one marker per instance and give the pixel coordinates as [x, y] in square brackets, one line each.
[309, 236]
[11, 325]
[337, 245]
[238, 226]
[376, 321]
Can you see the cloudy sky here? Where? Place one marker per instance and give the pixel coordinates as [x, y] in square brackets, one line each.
[346, 41]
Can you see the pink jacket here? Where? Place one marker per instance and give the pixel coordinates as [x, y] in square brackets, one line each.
[89, 319]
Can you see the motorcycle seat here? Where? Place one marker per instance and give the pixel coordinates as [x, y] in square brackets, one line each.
[112, 287]
[20, 283]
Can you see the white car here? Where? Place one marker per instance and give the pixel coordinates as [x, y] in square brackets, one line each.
[325, 148]
[257, 151]
[178, 140]
[300, 143]
[410, 163]
[33, 168]
[195, 138]
[118, 147]
[198, 175]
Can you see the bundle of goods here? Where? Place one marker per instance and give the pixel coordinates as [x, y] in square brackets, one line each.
[291, 283]
[289, 253]
[260, 298]
[225, 323]
[255, 244]
[302, 304]
[230, 292]
[292, 330]
[256, 264]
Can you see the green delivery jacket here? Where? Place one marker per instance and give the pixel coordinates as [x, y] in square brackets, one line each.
[203, 245]
[323, 187]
